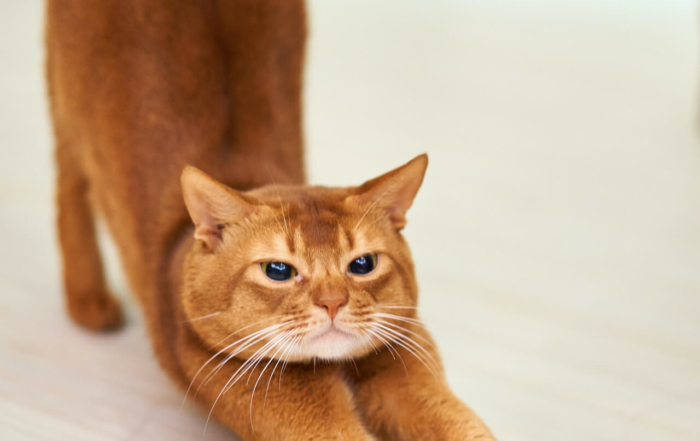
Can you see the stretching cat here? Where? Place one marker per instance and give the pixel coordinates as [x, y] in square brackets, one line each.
[287, 311]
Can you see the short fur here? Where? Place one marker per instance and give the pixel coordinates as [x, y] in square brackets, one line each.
[141, 91]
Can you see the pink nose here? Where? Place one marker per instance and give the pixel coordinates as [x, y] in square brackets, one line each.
[332, 304]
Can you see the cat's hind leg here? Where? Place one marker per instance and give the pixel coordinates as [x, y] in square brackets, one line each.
[88, 300]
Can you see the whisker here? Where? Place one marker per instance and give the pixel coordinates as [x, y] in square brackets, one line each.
[223, 390]
[220, 366]
[397, 307]
[201, 318]
[386, 343]
[287, 346]
[357, 370]
[246, 343]
[399, 318]
[405, 346]
[243, 329]
[285, 338]
[280, 200]
[376, 221]
[369, 209]
[281, 337]
[371, 342]
[219, 353]
[389, 347]
[284, 365]
[246, 366]
[257, 358]
[406, 330]
[408, 339]
[282, 230]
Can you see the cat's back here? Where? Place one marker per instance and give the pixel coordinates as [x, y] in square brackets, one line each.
[141, 89]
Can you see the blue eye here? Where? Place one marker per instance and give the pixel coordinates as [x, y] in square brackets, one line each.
[278, 271]
[363, 265]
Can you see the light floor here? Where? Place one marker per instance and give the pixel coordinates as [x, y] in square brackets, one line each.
[557, 236]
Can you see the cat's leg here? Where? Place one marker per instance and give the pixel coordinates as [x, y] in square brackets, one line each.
[412, 403]
[88, 301]
[305, 405]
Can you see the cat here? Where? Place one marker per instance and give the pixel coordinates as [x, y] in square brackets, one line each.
[287, 311]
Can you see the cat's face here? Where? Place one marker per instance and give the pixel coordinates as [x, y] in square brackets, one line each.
[298, 273]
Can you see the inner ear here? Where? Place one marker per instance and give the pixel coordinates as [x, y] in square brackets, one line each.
[394, 191]
[211, 205]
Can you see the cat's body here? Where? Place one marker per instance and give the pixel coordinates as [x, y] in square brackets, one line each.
[139, 90]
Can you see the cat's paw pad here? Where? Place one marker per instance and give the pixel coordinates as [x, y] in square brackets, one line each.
[97, 313]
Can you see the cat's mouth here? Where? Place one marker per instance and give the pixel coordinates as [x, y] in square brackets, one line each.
[331, 342]
[332, 332]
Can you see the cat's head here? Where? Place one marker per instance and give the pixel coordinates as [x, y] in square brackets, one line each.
[300, 272]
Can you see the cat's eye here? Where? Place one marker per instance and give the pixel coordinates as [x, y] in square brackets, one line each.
[363, 265]
[278, 271]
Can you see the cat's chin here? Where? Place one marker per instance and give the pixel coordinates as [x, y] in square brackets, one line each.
[333, 344]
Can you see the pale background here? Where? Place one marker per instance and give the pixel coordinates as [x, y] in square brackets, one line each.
[557, 236]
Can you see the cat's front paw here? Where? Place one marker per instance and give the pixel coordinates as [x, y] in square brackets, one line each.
[96, 312]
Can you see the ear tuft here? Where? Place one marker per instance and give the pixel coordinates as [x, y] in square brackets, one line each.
[394, 191]
[210, 204]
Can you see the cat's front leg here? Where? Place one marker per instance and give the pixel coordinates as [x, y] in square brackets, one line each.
[402, 395]
[307, 404]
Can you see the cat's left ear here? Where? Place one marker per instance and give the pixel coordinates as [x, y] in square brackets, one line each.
[211, 205]
[394, 191]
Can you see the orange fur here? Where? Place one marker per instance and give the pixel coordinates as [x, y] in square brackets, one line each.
[139, 91]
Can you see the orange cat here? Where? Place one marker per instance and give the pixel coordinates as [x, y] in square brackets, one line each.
[287, 311]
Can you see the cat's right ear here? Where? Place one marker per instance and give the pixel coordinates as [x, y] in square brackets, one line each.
[211, 205]
[394, 191]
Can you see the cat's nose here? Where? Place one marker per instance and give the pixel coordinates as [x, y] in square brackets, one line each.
[332, 303]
